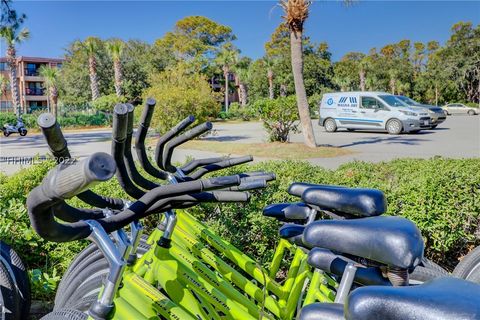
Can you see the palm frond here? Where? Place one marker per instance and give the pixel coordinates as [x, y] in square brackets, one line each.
[296, 12]
[115, 48]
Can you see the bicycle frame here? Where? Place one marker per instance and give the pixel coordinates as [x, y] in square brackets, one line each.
[179, 267]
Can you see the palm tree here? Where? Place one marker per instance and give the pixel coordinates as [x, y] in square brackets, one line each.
[226, 58]
[296, 12]
[115, 49]
[242, 75]
[4, 82]
[90, 46]
[269, 63]
[12, 35]
[50, 76]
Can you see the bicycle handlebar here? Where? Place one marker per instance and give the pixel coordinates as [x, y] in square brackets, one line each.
[119, 135]
[128, 158]
[194, 164]
[143, 126]
[46, 198]
[59, 148]
[220, 165]
[169, 136]
[175, 142]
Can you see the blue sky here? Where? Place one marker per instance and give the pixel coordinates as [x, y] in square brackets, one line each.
[366, 24]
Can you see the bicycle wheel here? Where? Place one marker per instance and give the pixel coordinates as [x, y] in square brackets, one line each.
[427, 263]
[469, 267]
[10, 308]
[422, 274]
[65, 314]
[18, 273]
[90, 259]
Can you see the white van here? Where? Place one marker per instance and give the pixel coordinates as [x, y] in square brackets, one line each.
[370, 111]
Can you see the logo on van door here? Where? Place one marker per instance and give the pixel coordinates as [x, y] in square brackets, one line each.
[330, 101]
[347, 102]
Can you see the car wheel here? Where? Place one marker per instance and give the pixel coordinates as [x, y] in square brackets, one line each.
[446, 113]
[394, 126]
[471, 112]
[6, 133]
[330, 125]
[23, 132]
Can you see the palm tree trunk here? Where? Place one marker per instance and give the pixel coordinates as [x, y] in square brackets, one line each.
[392, 85]
[93, 78]
[302, 102]
[54, 97]
[12, 64]
[283, 90]
[362, 79]
[270, 84]
[243, 94]
[225, 75]
[436, 94]
[118, 77]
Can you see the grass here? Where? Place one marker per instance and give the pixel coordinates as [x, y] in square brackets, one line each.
[272, 150]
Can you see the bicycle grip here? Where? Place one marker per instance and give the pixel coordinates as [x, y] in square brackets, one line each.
[68, 180]
[193, 133]
[119, 125]
[54, 136]
[265, 176]
[130, 109]
[231, 196]
[220, 182]
[147, 112]
[159, 149]
[251, 185]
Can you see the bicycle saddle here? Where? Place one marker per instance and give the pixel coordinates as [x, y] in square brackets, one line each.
[443, 298]
[393, 241]
[322, 311]
[355, 201]
[291, 230]
[287, 211]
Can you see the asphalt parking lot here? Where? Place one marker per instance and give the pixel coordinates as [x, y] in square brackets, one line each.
[457, 137]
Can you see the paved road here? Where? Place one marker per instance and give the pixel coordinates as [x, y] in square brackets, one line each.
[458, 137]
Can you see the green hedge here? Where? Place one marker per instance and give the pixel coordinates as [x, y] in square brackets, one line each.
[72, 120]
[442, 196]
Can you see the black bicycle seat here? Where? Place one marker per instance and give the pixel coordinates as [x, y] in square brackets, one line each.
[442, 298]
[287, 211]
[393, 241]
[322, 311]
[355, 201]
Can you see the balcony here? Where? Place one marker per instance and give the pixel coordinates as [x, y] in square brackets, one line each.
[31, 72]
[34, 91]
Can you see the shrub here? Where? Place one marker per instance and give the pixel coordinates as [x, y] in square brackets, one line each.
[72, 120]
[179, 94]
[236, 111]
[442, 196]
[472, 104]
[106, 103]
[279, 116]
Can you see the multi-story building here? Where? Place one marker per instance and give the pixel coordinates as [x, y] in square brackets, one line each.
[33, 95]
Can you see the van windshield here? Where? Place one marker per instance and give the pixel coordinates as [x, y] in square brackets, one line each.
[393, 101]
[408, 101]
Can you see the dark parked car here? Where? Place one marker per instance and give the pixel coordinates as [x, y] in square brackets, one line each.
[436, 113]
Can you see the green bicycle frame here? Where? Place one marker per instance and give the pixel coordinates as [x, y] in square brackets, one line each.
[184, 273]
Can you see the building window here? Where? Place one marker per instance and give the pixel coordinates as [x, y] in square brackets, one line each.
[5, 106]
[3, 66]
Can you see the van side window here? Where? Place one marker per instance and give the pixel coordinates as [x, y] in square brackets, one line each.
[371, 103]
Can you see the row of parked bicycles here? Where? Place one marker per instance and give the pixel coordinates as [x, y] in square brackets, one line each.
[343, 258]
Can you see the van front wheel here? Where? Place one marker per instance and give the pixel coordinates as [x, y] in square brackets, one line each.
[330, 125]
[394, 126]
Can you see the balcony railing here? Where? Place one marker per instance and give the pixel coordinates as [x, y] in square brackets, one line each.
[32, 72]
[34, 92]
